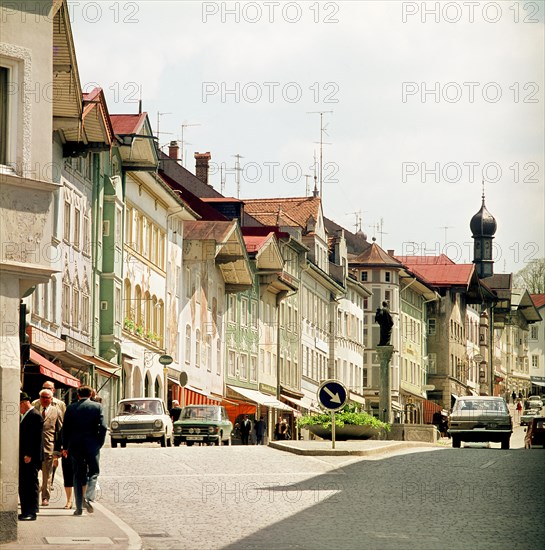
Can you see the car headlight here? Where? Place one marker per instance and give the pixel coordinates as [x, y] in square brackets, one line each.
[177, 429]
[114, 425]
[158, 424]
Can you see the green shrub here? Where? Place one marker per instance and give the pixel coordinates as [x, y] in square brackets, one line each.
[348, 415]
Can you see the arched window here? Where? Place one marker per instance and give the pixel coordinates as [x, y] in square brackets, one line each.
[76, 304]
[187, 344]
[147, 311]
[66, 294]
[85, 311]
[197, 348]
[147, 386]
[154, 316]
[138, 305]
[129, 309]
[157, 387]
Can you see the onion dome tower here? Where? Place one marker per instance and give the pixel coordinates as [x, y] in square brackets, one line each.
[483, 227]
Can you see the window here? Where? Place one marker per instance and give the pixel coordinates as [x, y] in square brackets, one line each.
[254, 318]
[363, 276]
[161, 250]
[118, 307]
[86, 235]
[232, 308]
[244, 312]
[75, 306]
[209, 353]
[534, 334]
[218, 357]
[231, 363]
[128, 226]
[388, 298]
[253, 368]
[535, 361]
[85, 311]
[197, 348]
[118, 226]
[4, 114]
[67, 211]
[431, 327]
[366, 303]
[77, 227]
[187, 343]
[188, 282]
[387, 276]
[243, 367]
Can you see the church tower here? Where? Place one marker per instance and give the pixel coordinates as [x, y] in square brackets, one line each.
[483, 226]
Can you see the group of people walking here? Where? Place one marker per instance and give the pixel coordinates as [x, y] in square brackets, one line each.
[50, 431]
[245, 428]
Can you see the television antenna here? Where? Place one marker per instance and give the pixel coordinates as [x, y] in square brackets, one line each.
[446, 228]
[359, 217]
[183, 142]
[307, 186]
[321, 142]
[159, 115]
[238, 170]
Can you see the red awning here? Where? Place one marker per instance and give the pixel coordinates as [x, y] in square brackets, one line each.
[47, 368]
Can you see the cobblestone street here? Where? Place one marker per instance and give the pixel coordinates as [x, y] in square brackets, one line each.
[256, 497]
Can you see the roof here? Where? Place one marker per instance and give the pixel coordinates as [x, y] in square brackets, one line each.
[538, 299]
[375, 256]
[204, 230]
[255, 242]
[127, 124]
[356, 243]
[288, 212]
[444, 274]
[426, 260]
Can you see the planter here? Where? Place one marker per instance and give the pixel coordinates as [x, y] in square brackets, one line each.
[348, 431]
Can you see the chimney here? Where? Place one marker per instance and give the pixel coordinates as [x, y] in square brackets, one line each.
[174, 150]
[391, 252]
[201, 166]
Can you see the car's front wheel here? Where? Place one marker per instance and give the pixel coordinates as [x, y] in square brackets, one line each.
[114, 444]
[176, 442]
[163, 441]
[189, 443]
[456, 442]
[169, 441]
[122, 443]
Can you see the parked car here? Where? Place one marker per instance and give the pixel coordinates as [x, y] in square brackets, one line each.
[141, 419]
[535, 433]
[203, 424]
[534, 402]
[527, 417]
[480, 419]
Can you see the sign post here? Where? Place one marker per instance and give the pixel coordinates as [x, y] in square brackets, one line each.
[165, 360]
[332, 395]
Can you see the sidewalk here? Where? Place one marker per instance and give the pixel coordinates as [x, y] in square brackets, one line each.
[57, 528]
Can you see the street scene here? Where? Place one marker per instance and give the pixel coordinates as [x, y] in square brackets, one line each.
[272, 274]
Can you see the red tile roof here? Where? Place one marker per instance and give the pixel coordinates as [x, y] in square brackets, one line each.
[538, 299]
[375, 256]
[290, 212]
[444, 274]
[428, 260]
[127, 124]
[255, 243]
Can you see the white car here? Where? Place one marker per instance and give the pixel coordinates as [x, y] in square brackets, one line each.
[141, 419]
[534, 402]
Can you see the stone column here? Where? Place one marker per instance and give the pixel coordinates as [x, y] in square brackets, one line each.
[9, 406]
[385, 395]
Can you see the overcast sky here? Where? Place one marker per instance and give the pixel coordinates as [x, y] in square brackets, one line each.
[424, 96]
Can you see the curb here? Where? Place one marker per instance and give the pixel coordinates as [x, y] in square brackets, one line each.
[383, 448]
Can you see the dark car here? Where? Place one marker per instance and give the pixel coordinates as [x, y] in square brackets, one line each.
[480, 419]
[528, 416]
[203, 424]
[535, 433]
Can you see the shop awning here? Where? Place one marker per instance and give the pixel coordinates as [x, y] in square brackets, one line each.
[304, 402]
[262, 399]
[541, 384]
[188, 395]
[104, 367]
[357, 398]
[47, 368]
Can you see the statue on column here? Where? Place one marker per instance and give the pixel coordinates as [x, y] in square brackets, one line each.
[385, 321]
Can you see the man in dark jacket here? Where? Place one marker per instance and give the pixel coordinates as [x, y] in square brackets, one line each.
[245, 429]
[30, 457]
[84, 432]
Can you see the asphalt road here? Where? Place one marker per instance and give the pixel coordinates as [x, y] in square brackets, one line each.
[256, 497]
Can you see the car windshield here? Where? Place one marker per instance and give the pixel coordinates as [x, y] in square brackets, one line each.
[482, 406]
[142, 406]
[199, 413]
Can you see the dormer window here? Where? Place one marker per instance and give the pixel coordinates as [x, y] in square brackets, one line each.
[363, 276]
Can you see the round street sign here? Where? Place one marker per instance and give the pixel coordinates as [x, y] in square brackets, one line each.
[183, 378]
[165, 360]
[332, 395]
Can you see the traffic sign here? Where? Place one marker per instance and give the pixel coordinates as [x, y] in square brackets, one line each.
[165, 360]
[332, 395]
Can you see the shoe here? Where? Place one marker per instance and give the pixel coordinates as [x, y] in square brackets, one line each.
[45, 502]
[27, 517]
[78, 513]
[68, 505]
[88, 506]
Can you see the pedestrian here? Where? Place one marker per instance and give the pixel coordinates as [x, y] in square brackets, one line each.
[52, 426]
[83, 436]
[175, 411]
[260, 430]
[30, 458]
[68, 477]
[245, 429]
[285, 430]
[519, 407]
[49, 385]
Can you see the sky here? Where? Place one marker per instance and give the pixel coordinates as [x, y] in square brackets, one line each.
[420, 102]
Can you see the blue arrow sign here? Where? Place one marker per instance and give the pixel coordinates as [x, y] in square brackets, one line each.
[332, 395]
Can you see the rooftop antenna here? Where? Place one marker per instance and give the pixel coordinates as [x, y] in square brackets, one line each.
[380, 225]
[222, 179]
[159, 115]
[359, 217]
[322, 143]
[183, 142]
[446, 228]
[307, 186]
[238, 170]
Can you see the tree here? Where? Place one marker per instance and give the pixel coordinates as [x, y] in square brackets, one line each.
[532, 277]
